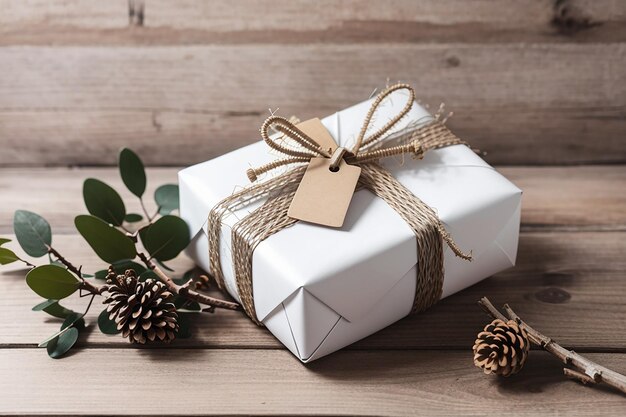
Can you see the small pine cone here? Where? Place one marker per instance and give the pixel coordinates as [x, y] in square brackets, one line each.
[142, 310]
[501, 348]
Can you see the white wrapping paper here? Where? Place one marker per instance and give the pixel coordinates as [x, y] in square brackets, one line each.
[318, 289]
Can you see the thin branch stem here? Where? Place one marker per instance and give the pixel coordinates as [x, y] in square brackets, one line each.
[184, 290]
[89, 305]
[89, 287]
[26, 262]
[133, 235]
[486, 305]
[145, 211]
[581, 365]
[579, 376]
[84, 285]
[64, 261]
[59, 333]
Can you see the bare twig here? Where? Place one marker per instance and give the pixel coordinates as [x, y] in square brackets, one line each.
[486, 305]
[184, 290]
[88, 286]
[64, 261]
[26, 262]
[84, 285]
[579, 376]
[583, 369]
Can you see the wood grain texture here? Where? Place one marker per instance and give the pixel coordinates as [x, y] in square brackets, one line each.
[78, 22]
[559, 275]
[531, 82]
[522, 103]
[234, 382]
[581, 198]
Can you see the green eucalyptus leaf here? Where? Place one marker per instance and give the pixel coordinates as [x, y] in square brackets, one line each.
[165, 266]
[132, 172]
[33, 233]
[180, 281]
[41, 306]
[110, 244]
[52, 281]
[166, 238]
[105, 324]
[193, 306]
[182, 303]
[166, 197]
[133, 218]
[143, 231]
[75, 319]
[184, 324]
[120, 267]
[7, 256]
[4, 240]
[61, 344]
[53, 308]
[72, 321]
[101, 274]
[57, 263]
[189, 274]
[103, 201]
[148, 274]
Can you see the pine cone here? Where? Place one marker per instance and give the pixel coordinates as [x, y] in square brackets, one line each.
[143, 311]
[501, 348]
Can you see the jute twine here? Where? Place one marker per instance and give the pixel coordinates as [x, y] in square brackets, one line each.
[271, 217]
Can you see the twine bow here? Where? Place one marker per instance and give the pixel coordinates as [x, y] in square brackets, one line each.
[272, 216]
[363, 150]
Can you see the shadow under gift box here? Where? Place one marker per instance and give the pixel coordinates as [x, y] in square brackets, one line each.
[318, 289]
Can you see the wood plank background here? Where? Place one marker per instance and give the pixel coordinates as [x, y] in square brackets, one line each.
[538, 85]
[532, 82]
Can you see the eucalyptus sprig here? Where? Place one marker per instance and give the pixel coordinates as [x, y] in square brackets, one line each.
[134, 246]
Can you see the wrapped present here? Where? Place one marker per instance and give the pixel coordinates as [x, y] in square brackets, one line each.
[424, 217]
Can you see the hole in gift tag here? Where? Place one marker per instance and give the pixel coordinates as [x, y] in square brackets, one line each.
[337, 159]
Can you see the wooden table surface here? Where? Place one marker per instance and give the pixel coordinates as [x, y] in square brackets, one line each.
[539, 85]
[569, 283]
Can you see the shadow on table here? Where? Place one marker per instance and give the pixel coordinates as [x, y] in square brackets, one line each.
[429, 368]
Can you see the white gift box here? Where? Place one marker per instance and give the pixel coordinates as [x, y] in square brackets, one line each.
[318, 289]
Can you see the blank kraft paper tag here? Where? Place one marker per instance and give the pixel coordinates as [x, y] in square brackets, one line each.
[323, 196]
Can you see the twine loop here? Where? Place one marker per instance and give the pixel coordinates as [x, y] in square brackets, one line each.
[336, 158]
[306, 147]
